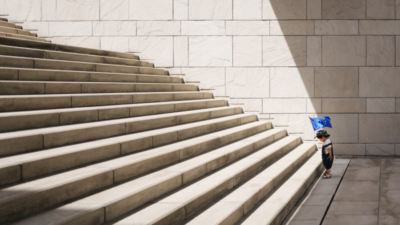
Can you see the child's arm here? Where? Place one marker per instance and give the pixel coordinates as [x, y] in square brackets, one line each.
[329, 152]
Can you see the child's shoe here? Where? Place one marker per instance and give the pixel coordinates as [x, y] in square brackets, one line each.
[327, 176]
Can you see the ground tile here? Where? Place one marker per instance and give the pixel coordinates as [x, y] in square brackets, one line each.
[310, 213]
[324, 189]
[350, 220]
[362, 173]
[358, 191]
[304, 222]
[318, 200]
[390, 181]
[353, 208]
[389, 220]
[389, 203]
[365, 163]
[390, 165]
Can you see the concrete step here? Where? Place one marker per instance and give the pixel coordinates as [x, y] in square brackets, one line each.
[186, 202]
[6, 24]
[43, 138]
[14, 121]
[51, 87]
[9, 30]
[7, 73]
[284, 199]
[234, 206]
[66, 56]
[10, 103]
[63, 48]
[50, 64]
[4, 19]
[37, 194]
[19, 37]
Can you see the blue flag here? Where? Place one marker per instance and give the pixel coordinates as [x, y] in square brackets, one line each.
[322, 122]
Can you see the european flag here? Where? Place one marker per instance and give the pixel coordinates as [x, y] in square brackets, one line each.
[322, 122]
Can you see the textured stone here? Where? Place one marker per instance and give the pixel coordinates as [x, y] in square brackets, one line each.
[210, 9]
[344, 105]
[203, 28]
[49, 11]
[380, 149]
[336, 27]
[42, 27]
[336, 82]
[247, 27]
[250, 105]
[210, 51]
[290, 27]
[380, 27]
[22, 10]
[379, 128]
[350, 219]
[343, 9]
[67, 29]
[78, 10]
[284, 9]
[284, 51]
[209, 78]
[148, 28]
[345, 127]
[247, 51]
[314, 9]
[158, 48]
[87, 42]
[114, 9]
[296, 122]
[397, 105]
[381, 105]
[379, 82]
[2, 7]
[397, 150]
[292, 82]
[118, 44]
[349, 149]
[181, 51]
[181, 9]
[381, 51]
[314, 50]
[343, 51]
[397, 51]
[353, 208]
[247, 9]
[381, 9]
[314, 105]
[284, 106]
[397, 9]
[115, 28]
[358, 191]
[150, 9]
[247, 82]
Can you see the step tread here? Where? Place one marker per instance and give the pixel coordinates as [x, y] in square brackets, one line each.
[23, 37]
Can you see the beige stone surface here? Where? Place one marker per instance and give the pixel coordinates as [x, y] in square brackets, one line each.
[381, 105]
[397, 9]
[296, 122]
[117, 28]
[284, 105]
[114, 9]
[247, 82]
[149, 28]
[349, 149]
[381, 51]
[42, 27]
[247, 27]
[379, 82]
[203, 28]
[336, 27]
[380, 27]
[181, 51]
[210, 51]
[150, 10]
[2, 7]
[336, 82]
[284, 9]
[210, 9]
[314, 105]
[292, 27]
[397, 105]
[209, 78]
[344, 128]
[380, 149]
[247, 9]
[49, 11]
[344, 105]
[181, 9]
[78, 10]
[381, 9]
[158, 48]
[314, 50]
[343, 9]
[314, 9]
[284, 51]
[397, 51]
[88, 42]
[21, 10]
[343, 51]
[292, 82]
[379, 128]
[397, 150]
[119, 44]
[68, 29]
[247, 51]
[252, 105]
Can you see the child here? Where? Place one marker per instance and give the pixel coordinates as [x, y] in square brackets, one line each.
[327, 152]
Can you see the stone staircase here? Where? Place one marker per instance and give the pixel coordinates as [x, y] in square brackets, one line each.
[99, 137]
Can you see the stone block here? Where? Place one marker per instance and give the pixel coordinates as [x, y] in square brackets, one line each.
[358, 191]
[284, 9]
[210, 51]
[314, 50]
[343, 51]
[2, 7]
[353, 208]
[209, 78]
[247, 51]
[210, 9]
[250, 105]
[344, 105]
[114, 9]
[284, 106]
[343, 9]
[181, 9]
[351, 219]
[380, 27]
[158, 48]
[381, 51]
[78, 10]
[314, 9]
[314, 105]
[118, 44]
[379, 82]
[300, 27]
[247, 82]
[381, 105]
[285, 51]
[397, 149]
[336, 82]
[296, 122]
[336, 27]
[150, 9]
[380, 149]
[397, 51]
[49, 10]
[349, 149]
[292, 82]
[247, 28]
[247, 9]
[148, 28]
[114, 28]
[42, 27]
[397, 105]
[203, 28]
[397, 9]
[345, 128]
[381, 9]
[68, 29]
[181, 51]
[389, 219]
[87, 42]
[379, 128]
[22, 10]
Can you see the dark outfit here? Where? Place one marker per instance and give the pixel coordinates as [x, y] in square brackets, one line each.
[325, 160]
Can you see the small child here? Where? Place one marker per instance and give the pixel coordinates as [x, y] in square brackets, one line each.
[327, 152]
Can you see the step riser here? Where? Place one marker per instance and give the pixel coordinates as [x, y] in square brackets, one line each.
[15, 31]
[50, 102]
[23, 37]
[5, 24]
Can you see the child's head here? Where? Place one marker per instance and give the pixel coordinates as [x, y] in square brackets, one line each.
[322, 135]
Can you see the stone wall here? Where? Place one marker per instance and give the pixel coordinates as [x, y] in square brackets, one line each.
[287, 59]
